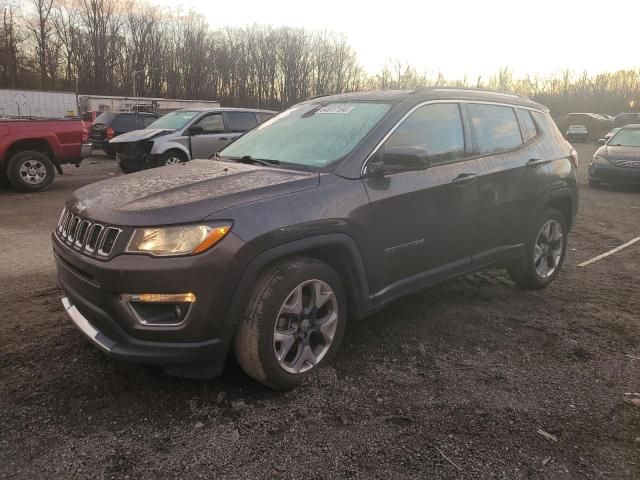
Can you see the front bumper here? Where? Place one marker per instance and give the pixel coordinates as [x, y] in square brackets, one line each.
[85, 150]
[93, 299]
[211, 353]
[614, 174]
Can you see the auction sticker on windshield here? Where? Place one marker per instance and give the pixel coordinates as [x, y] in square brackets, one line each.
[336, 108]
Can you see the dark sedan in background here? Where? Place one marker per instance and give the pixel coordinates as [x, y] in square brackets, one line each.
[618, 160]
[577, 133]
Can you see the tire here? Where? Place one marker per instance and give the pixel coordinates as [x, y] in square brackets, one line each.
[594, 183]
[529, 271]
[30, 171]
[171, 157]
[270, 316]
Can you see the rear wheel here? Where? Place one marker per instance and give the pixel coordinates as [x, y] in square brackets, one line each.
[30, 171]
[172, 157]
[294, 323]
[545, 252]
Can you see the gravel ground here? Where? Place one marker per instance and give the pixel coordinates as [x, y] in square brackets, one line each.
[454, 382]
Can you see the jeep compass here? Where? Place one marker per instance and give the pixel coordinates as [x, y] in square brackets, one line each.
[327, 211]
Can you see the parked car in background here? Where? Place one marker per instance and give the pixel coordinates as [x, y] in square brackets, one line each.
[179, 136]
[88, 118]
[109, 125]
[577, 133]
[596, 125]
[32, 150]
[605, 116]
[618, 160]
[623, 119]
[332, 209]
[610, 134]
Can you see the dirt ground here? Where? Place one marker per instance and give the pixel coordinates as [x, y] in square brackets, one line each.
[454, 382]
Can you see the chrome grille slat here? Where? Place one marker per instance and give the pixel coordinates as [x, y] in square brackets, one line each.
[94, 238]
[86, 236]
[81, 233]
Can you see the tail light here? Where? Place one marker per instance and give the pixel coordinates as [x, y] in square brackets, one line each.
[85, 135]
[574, 157]
[110, 133]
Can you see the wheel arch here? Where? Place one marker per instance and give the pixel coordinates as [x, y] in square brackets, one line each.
[564, 204]
[339, 251]
[30, 144]
[174, 146]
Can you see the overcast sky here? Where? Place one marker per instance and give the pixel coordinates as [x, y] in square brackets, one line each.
[458, 37]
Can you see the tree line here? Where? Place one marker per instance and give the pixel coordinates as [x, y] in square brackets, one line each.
[120, 47]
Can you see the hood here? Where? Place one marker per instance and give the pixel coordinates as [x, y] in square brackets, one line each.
[144, 134]
[619, 153]
[184, 193]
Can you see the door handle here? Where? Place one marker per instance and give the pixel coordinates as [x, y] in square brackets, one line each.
[534, 162]
[465, 178]
[223, 138]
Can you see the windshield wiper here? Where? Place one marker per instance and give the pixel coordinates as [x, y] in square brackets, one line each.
[249, 159]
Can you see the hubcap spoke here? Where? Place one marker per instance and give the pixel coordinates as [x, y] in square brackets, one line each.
[305, 359]
[293, 305]
[285, 341]
[321, 295]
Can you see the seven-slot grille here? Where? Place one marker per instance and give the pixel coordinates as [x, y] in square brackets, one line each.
[84, 235]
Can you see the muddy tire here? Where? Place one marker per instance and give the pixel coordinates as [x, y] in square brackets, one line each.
[546, 248]
[30, 171]
[294, 323]
[172, 157]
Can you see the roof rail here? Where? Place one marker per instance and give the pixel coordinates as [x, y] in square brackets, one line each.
[471, 90]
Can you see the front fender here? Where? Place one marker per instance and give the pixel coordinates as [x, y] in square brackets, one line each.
[160, 146]
[357, 286]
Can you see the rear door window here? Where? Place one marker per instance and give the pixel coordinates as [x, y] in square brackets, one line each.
[436, 128]
[148, 120]
[495, 127]
[125, 123]
[240, 121]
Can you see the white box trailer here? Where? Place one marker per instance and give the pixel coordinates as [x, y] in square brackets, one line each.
[105, 103]
[37, 104]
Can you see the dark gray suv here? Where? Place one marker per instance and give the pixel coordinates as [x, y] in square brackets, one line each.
[329, 210]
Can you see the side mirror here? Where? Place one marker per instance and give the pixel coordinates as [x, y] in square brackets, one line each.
[402, 159]
[602, 141]
[196, 130]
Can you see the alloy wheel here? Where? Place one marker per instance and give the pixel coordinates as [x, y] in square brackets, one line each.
[305, 326]
[548, 248]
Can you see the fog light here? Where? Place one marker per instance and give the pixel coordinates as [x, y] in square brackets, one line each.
[159, 309]
[160, 297]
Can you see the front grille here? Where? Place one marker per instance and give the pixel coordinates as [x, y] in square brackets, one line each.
[86, 236]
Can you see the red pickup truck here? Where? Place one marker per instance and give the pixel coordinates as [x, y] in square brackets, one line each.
[32, 150]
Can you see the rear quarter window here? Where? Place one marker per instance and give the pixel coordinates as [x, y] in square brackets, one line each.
[495, 127]
[529, 130]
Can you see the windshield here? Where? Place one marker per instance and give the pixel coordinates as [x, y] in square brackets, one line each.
[174, 120]
[310, 135]
[626, 138]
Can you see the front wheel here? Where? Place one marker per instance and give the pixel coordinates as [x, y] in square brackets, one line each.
[30, 171]
[172, 157]
[294, 323]
[545, 252]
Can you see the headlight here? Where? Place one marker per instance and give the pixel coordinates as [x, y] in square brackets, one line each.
[182, 240]
[600, 160]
